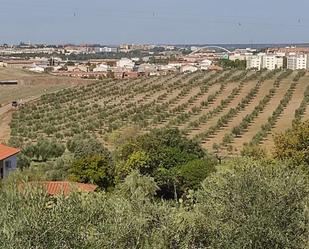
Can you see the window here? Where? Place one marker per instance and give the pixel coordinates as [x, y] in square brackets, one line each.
[8, 164]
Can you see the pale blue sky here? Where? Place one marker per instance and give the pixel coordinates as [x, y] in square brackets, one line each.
[154, 21]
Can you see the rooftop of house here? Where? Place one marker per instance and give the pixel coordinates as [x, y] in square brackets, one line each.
[6, 151]
[64, 187]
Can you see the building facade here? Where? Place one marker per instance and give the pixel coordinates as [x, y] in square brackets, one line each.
[298, 62]
[272, 62]
[261, 61]
[254, 62]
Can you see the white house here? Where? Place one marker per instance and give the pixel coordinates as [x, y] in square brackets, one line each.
[188, 69]
[205, 64]
[101, 68]
[136, 59]
[8, 160]
[174, 65]
[125, 63]
[147, 68]
[2, 64]
[36, 69]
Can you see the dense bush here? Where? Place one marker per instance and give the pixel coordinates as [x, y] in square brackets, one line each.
[158, 154]
[253, 205]
[294, 143]
[23, 161]
[97, 169]
[246, 204]
[190, 175]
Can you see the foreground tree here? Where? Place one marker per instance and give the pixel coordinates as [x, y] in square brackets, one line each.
[83, 146]
[253, 205]
[44, 150]
[94, 169]
[161, 154]
[294, 143]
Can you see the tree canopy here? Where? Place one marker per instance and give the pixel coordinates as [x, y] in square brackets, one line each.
[160, 154]
[294, 143]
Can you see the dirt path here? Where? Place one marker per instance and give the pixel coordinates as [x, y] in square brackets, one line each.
[5, 130]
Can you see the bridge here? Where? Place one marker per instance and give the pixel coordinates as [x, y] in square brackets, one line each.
[217, 47]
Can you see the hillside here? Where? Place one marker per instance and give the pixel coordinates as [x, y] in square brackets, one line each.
[221, 110]
[30, 87]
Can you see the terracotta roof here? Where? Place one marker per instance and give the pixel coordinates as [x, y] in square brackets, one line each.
[64, 187]
[6, 151]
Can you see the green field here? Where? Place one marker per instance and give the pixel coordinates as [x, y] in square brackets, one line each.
[221, 110]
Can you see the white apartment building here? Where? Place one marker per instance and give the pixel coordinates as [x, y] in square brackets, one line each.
[261, 61]
[297, 62]
[254, 62]
[272, 62]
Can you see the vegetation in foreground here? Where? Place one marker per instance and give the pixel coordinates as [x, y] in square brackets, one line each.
[161, 190]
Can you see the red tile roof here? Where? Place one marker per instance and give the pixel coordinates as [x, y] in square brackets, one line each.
[65, 188]
[6, 151]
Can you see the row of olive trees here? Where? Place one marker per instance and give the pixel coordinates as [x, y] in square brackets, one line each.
[223, 120]
[224, 103]
[249, 118]
[266, 128]
[56, 111]
[300, 111]
[183, 117]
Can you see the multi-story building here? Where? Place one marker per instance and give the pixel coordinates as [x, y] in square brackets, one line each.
[297, 62]
[272, 62]
[262, 61]
[254, 62]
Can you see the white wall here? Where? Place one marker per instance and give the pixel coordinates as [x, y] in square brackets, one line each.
[254, 62]
[261, 61]
[296, 62]
[125, 63]
[13, 162]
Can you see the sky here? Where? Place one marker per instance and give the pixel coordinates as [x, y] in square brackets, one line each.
[154, 21]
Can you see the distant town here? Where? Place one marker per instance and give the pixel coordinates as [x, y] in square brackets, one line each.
[132, 61]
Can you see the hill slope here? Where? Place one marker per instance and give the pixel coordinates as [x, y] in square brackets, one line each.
[206, 106]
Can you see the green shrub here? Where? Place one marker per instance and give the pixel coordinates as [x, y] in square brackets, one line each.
[94, 169]
[255, 205]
